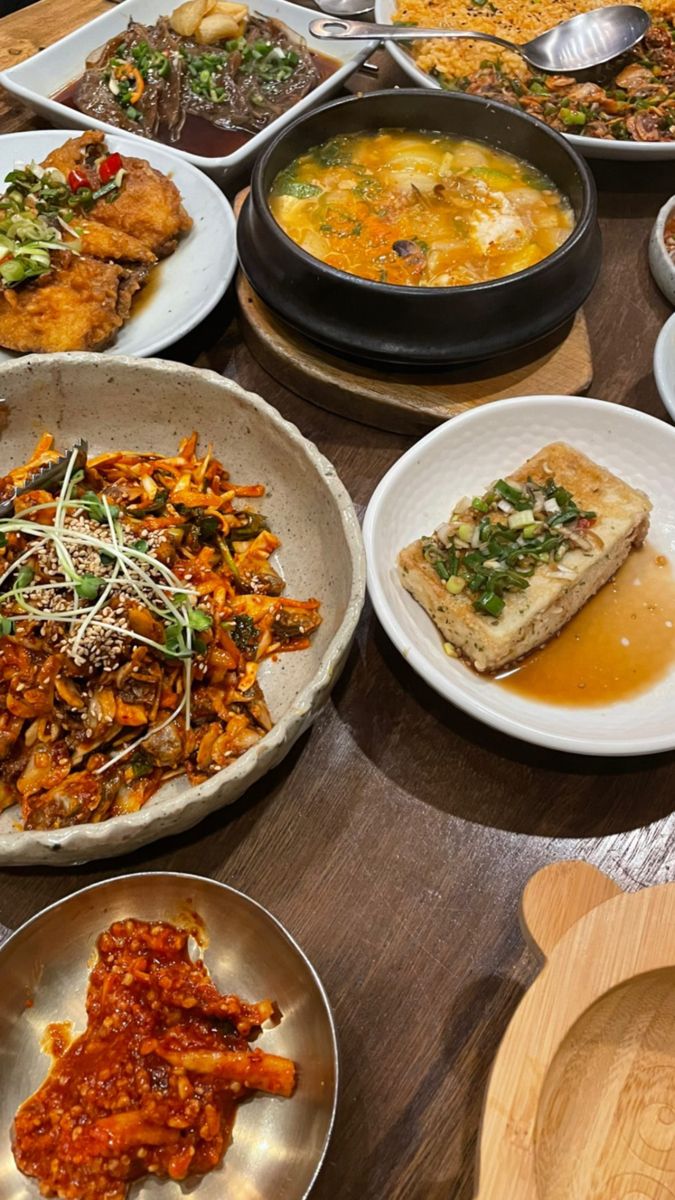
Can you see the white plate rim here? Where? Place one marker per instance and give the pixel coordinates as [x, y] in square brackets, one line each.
[665, 382]
[163, 155]
[432, 676]
[216, 164]
[590, 147]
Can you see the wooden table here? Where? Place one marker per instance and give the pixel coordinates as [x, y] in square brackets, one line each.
[395, 840]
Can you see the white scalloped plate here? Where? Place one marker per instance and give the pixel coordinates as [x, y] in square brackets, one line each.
[460, 458]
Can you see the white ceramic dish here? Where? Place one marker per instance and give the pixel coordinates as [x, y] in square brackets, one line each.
[187, 285]
[38, 79]
[661, 262]
[150, 404]
[460, 458]
[589, 147]
[664, 365]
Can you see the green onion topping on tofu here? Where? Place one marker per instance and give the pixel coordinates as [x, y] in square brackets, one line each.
[494, 543]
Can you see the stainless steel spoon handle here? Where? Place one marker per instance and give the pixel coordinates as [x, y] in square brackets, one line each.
[337, 28]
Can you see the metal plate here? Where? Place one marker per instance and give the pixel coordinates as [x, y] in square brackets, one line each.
[278, 1145]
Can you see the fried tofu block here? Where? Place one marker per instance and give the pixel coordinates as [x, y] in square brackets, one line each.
[80, 306]
[532, 616]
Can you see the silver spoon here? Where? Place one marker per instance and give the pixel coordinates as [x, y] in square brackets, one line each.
[345, 8]
[587, 40]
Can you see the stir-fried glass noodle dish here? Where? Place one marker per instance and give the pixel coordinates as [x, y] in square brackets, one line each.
[135, 610]
[419, 208]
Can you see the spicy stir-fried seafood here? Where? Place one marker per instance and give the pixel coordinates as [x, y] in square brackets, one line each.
[79, 235]
[152, 1085]
[135, 610]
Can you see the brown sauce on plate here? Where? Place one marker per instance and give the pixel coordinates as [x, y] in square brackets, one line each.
[198, 135]
[621, 642]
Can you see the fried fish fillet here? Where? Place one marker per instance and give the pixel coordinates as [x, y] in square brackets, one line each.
[148, 206]
[530, 617]
[103, 241]
[79, 306]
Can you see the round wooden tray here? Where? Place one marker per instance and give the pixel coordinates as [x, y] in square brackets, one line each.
[409, 401]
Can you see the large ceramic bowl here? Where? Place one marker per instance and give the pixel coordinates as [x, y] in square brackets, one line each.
[148, 404]
[278, 1145]
[422, 326]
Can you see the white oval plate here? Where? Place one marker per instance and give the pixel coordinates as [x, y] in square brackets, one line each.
[460, 458]
[589, 147]
[664, 365]
[187, 285]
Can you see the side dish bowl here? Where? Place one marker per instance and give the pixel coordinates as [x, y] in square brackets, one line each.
[385, 13]
[278, 1146]
[148, 405]
[38, 80]
[461, 458]
[422, 326]
[662, 263]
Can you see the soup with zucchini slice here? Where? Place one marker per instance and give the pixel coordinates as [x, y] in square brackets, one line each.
[419, 208]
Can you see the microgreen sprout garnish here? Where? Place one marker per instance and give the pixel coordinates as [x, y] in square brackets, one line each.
[6, 626]
[494, 543]
[132, 570]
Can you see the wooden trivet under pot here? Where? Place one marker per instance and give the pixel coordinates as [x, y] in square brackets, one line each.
[581, 1101]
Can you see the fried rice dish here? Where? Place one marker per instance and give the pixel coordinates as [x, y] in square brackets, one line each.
[136, 606]
[629, 99]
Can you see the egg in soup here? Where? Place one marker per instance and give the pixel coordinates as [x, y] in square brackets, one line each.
[419, 209]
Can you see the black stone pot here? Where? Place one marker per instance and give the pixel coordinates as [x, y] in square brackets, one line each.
[420, 326]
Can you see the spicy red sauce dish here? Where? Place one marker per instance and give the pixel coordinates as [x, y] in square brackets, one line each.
[153, 1084]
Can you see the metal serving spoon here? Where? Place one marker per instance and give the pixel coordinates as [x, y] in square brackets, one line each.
[49, 477]
[584, 41]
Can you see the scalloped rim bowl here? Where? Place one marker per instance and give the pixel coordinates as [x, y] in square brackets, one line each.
[149, 404]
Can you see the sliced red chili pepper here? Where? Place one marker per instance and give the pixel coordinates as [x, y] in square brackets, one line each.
[109, 167]
[77, 179]
[585, 522]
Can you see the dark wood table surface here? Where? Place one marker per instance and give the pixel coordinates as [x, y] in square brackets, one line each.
[395, 840]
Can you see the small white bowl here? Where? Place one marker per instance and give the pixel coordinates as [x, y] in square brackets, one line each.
[460, 458]
[660, 261]
[664, 365]
[37, 80]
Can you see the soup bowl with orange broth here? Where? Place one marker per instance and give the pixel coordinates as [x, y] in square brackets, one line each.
[421, 229]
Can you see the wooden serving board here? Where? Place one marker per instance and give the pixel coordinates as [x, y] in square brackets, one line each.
[408, 401]
[581, 1101]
